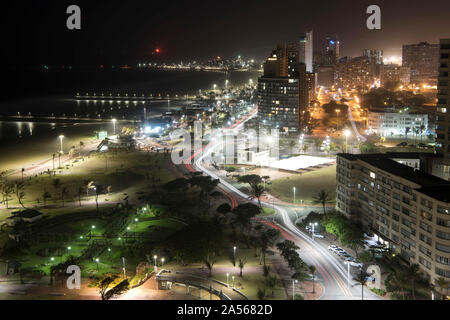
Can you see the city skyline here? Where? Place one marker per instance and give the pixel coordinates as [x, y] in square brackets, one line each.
[126, 33]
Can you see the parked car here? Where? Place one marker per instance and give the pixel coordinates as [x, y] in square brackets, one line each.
[317, 235]
[355, 263]
[332, 248]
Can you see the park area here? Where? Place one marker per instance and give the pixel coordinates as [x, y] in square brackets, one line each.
[307, 185]
[97, 241]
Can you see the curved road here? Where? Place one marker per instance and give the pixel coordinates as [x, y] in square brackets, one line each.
[329, 269]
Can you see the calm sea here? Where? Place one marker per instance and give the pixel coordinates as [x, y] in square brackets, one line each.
[52, 94]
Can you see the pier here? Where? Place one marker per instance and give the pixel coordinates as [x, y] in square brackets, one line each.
[134, 97]
[24, 118]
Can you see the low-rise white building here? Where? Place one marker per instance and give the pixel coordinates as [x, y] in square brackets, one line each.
[388, 124]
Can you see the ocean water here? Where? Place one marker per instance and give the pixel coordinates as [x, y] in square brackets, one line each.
[24, 143]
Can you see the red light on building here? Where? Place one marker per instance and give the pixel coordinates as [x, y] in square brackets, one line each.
[157, 50]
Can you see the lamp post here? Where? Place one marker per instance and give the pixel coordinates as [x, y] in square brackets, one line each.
[312, 225]
[155, 257]
[293, 288]
[347, 134]
[348, 274]
[233, 280]
[234, 256]
[337, 118]
[124, 267]
[294, 192]
[96, 262]
[61, 137]
[162, 261]
[228, 275]
[114, 125]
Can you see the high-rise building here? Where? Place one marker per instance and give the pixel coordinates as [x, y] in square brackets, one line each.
[374, 55]
[311, 83]
[332, 47]
[283, 90]
[277, 64]
[293, 57]
[395, 73]
[443, 110]
[306, 50]
[359, 71]
[423, 59]
[403, 207]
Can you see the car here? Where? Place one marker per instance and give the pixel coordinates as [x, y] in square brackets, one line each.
[332, 248]
[317, 235]
[339, 250]
[356, 264]
[402, 144]
[344, 254]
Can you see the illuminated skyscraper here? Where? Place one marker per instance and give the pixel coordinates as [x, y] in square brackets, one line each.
[306, 50]
[332, 47]
[423, 59]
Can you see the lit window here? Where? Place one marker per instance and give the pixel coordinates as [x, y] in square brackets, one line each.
[373, 175]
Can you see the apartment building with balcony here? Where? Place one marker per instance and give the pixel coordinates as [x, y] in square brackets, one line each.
[408, 209]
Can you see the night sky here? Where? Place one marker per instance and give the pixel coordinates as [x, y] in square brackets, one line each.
[119, 32]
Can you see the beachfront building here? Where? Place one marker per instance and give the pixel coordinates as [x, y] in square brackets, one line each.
[395, 124]
[405, 208]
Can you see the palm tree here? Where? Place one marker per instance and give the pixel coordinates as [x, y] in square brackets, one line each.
[210, 261]
[398, 282]
[242, 263]
[272, 283]
[421, 129]
[46, 195]
[79, 193]
[7, 191]
[313, 270]
[19, 192]
[323, 197]
[407, 130]
[56, 184]
[256, 191]
[64, 193]
[266, 240]
[361, 279]
[443, 285]
[413, 273]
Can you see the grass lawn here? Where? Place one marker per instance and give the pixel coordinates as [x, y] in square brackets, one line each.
[253, 276]
[307, 185]
[267, 212]
[146, 226]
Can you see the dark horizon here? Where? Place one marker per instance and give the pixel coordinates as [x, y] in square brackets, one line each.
[34, 32]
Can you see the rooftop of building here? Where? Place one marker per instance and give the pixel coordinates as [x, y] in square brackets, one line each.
[427, 182]
[388, 155]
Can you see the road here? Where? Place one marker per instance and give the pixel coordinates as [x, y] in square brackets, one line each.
[330, 270]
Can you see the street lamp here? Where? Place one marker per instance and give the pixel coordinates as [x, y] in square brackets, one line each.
[293, 288]
[337, 118]
[61, 137]
[233, 280]
[96, 262]
[114, 125]
[227, 279]
[312, 225]
[347, 134]
[294, 188]
[162, 261]
[155, 257]
[234, 256]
